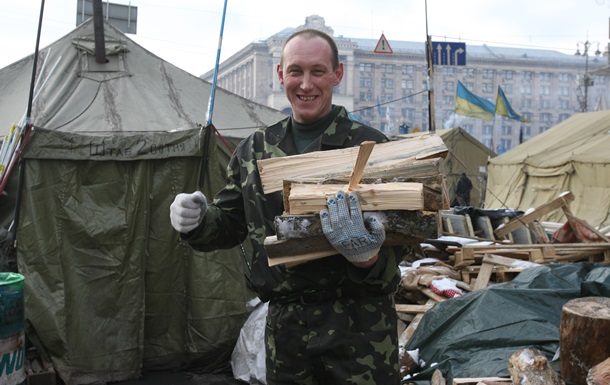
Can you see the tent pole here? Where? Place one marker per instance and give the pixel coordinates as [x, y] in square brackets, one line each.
[28, 129]
[208, 124]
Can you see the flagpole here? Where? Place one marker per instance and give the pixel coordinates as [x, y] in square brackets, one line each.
[431, 122]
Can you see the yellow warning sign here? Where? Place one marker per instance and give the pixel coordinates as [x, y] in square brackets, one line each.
[383, 46]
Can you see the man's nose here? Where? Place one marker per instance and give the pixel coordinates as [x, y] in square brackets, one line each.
[307, 82]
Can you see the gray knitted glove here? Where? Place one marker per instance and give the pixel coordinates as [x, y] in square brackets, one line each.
[344, 228]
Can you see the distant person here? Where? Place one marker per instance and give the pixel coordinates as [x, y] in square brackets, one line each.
[462, 190]
[332, 320]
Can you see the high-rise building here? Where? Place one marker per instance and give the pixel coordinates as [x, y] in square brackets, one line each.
[391, 91]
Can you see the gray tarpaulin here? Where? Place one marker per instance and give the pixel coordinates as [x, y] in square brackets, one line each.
[475, 335]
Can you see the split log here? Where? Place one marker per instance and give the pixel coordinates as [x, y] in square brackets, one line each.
[402, 226]
[311, 198]
[531, 367]
[274, 171]
[600, 373]
[583, 336]
[300, 238]
[428, 172]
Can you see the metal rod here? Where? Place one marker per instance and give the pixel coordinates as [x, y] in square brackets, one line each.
[213, 91]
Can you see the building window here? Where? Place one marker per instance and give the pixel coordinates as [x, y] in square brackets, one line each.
[407, 69]
[545, 103]
[545, 90]
[563, 77]
[387, 83]
[546, 76]
[366, 67]
[449, 71]
[366, 82]
[468, 72]
[448, 86]
[448, 100]
[526, 89]
[507, 130]
[488, 87]
[386, 68]
[488, 129]
[545, 117]
[527, 75]
[507, 74]
[488, 73]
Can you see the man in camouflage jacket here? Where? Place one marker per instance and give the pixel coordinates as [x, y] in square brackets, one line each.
[330, 321]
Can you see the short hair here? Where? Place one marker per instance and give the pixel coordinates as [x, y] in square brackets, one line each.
[310, 34]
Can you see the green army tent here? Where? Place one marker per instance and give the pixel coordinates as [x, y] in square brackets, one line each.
[571, 156]
[109, 287]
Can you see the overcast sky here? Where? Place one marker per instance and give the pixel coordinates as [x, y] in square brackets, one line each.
[186, 32]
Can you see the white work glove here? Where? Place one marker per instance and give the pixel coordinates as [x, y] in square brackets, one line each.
[187, 210]
[344, 228]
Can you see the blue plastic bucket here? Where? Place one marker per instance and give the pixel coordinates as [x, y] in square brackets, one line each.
[12, 329]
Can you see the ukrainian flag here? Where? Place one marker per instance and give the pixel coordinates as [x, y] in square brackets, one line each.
[503, 107]
[468, 104]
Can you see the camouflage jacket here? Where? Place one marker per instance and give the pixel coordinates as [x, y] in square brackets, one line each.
[242, 211]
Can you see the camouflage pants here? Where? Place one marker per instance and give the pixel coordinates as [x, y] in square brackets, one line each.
[339, 341]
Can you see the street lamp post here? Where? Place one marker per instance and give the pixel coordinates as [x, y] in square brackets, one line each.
[587, 81]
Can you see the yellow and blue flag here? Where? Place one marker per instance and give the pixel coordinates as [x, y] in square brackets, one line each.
[468, 104]
[504, 108]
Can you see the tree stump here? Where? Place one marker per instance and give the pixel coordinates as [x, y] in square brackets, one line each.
[531, 367]
[584, 340]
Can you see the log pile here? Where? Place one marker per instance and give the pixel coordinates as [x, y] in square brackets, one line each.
[400, 182]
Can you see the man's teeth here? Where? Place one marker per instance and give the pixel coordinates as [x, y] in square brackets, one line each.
[307, 98]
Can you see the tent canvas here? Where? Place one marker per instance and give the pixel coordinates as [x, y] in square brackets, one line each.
[109, 286]
[571, 156]
[466, 154]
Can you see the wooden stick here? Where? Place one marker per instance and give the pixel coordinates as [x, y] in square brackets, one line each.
[363, 156]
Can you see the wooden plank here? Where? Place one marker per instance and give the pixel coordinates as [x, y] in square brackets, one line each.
[476, 380]
[311, 198]
[484, 275]
[408, 332]
[540, 211]
[413, 309]
[273, 171]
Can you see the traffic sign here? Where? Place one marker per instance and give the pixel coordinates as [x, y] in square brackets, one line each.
[445, 53]
[383, 46]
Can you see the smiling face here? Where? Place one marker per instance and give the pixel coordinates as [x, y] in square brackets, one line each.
[307, 74]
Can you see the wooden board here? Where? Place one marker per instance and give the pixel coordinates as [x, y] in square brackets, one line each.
[561, 201]
[274, 171]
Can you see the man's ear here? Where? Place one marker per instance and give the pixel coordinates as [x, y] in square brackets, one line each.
[280, 74]
[339, 74]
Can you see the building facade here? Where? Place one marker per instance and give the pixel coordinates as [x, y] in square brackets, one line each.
[392, 91]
